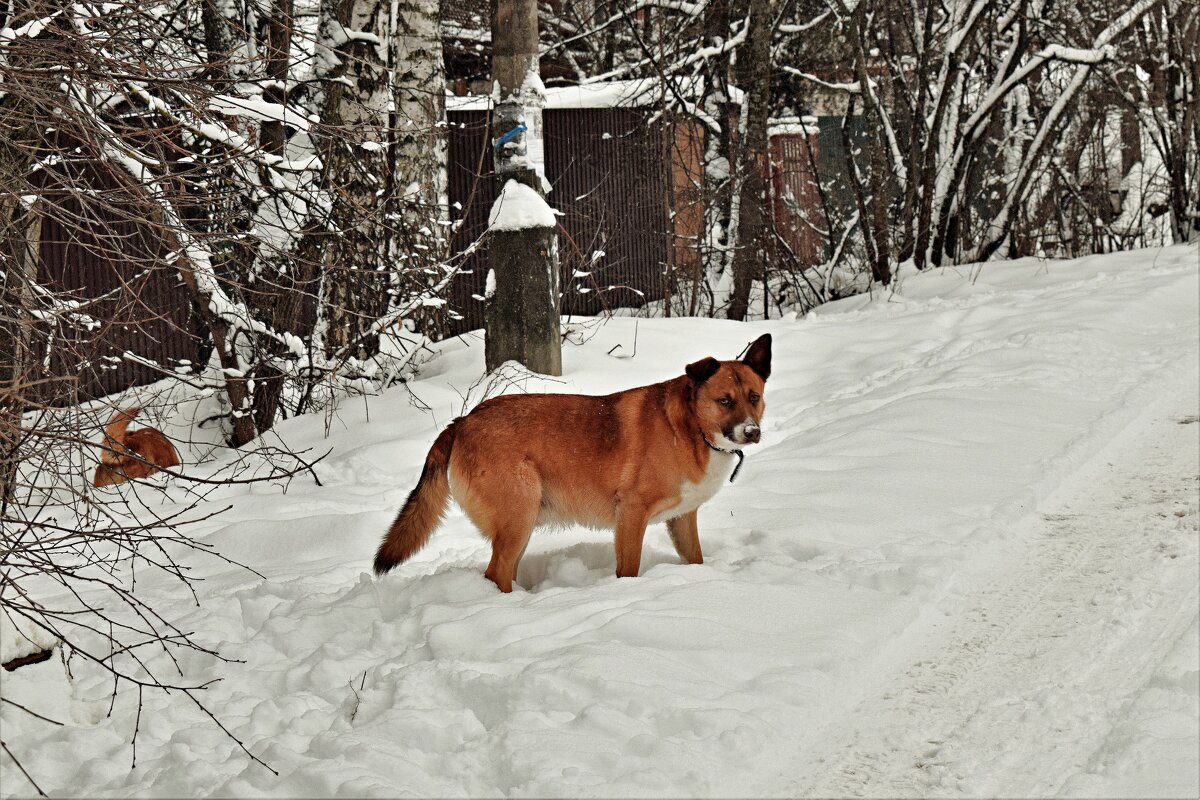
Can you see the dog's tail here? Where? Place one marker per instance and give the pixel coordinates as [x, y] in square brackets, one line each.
[423, 510]
[114, 435]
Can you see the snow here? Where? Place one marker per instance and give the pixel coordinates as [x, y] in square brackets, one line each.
[851, 87]
[803, 126]
[31, 29]
[340, 35]
[19, 638]
[257, 108]
[519, 207]
[963, 561]
[609, 94]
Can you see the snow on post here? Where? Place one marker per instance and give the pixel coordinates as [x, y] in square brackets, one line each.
[519, 207]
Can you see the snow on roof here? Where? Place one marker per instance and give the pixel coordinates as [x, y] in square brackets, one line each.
[609, 94]
[799, 125]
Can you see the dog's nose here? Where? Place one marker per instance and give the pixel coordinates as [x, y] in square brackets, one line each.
[752, 433]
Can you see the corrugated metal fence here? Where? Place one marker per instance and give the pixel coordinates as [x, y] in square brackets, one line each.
[610, 173]
[98, 251]
[795, 200]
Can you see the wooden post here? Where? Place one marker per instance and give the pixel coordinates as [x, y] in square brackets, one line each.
[522, 309]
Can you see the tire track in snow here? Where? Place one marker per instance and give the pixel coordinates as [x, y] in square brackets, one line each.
[1021, 688]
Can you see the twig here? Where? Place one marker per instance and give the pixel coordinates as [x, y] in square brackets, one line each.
[227, 732]
[17, 761]
[31, 713]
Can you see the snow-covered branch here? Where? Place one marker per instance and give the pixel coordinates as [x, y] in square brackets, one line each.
[849, 87]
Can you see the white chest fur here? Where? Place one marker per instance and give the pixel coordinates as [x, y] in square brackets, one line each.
[693, 495]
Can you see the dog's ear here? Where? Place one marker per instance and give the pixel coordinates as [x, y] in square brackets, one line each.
[758, 357]
[703, 369]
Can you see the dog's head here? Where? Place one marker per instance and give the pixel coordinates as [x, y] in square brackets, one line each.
[729, 395]
[107, 475]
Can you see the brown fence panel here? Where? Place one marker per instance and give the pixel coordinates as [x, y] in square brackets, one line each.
[611, 181]
[795, 201]
[471, 197]
[98, 251]
[609, 178]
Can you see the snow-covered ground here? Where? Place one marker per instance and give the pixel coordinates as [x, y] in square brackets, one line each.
[963, 561]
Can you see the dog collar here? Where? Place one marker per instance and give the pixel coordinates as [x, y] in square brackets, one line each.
[741, 456]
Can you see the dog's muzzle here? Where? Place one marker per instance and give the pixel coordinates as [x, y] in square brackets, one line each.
[745, 433]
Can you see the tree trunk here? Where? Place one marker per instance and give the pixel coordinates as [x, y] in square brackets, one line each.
[522, 314]
[280, 280]
[277, 40]
[753, 72]
[881, 260]
[1180, 29]
[218, 43]
[21, 121]
[720, 179]
[522, 325]
[418, 182]
[357, 237]
[21, 228]
[229, 217]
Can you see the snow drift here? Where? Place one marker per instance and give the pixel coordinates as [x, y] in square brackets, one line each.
[911, 443]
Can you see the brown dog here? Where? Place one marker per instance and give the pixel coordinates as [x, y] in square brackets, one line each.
[620, 461]
[132, 451]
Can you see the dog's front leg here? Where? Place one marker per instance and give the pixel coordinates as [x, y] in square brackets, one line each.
[686, 538]
[631, 529]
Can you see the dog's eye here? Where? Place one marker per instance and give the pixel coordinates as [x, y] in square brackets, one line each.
[726, 401]
[754, 399]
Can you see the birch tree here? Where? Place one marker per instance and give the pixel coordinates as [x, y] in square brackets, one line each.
[352, 235]
[419, 155]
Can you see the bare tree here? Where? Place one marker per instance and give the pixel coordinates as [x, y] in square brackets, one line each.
[751, 153]
[976, 96]
[258, 165]
[1168, 51]
[420, 153]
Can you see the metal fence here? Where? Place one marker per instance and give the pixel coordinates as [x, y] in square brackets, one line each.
[610, 172]
[98, 252]
[795, 198]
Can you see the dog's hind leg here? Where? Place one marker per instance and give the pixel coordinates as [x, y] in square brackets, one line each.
[508, 545]
[510, 529]
[686, 538]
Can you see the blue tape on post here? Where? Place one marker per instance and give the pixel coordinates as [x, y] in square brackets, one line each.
[508, 137]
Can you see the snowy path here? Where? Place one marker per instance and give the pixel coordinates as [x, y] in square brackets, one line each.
[1019, 693]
